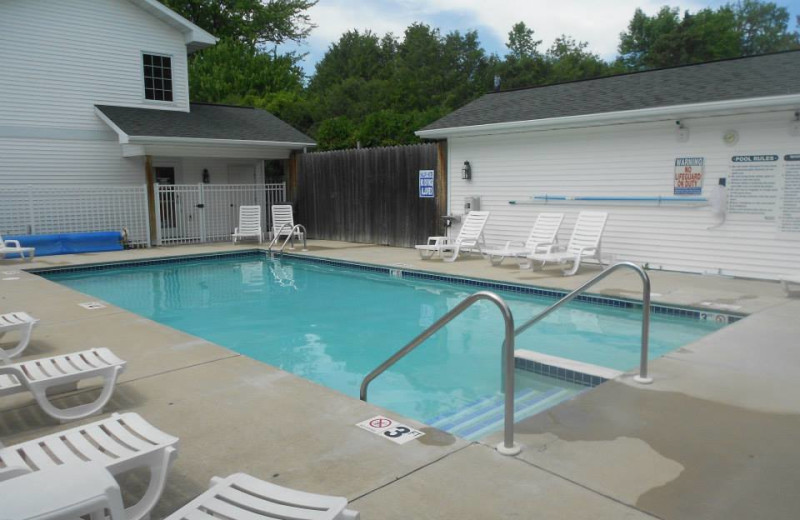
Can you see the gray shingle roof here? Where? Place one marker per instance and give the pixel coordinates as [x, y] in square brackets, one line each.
[741, 78]
[204, 122]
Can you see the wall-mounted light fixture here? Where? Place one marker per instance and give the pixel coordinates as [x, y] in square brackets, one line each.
[730, 137]
[206, 176]
[466, 171]
[794, 127]
[682, 134]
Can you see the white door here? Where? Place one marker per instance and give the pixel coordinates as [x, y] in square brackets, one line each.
[241, 174]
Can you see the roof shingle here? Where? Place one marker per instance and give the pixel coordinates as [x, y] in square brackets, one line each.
[740, 78]
[205, 121]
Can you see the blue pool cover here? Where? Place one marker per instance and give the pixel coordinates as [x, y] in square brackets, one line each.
[67, 243]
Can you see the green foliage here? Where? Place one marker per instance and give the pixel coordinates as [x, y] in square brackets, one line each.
[251, 22]
[741, 29]
[231, 70]
[377, 90]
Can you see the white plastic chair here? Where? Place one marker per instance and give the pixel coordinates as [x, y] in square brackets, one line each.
[584, 242]
[542, 238]
[22, 322]
[249, 224]
[66, 492]
[283, 221]
[60, 374]
[243, 497]
[13, 246]
[470, 238]
[121, 443]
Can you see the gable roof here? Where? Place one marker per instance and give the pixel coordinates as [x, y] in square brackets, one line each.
[195, 37]
[202, 122]
[726, 80]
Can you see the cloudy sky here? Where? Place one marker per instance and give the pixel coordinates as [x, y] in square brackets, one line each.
[598, 23]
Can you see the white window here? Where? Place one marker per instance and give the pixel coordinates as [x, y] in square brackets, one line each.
[157, 77]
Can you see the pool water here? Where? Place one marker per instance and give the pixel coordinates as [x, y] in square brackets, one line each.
[334, 324]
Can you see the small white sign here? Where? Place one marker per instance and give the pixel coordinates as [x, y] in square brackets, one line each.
[92, 305]
[390, 429]
[426, 189]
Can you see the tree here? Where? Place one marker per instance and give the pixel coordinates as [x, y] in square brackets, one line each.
[520, 43]
[667, 39]
[568, 60]
[253, 22]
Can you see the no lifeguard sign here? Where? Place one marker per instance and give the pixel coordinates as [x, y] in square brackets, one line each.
[426, 184]
[390, 429]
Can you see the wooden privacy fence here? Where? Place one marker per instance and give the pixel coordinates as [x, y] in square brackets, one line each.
[371, 195]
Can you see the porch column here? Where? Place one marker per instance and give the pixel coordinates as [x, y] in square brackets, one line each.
[291, 186]
[151, 197]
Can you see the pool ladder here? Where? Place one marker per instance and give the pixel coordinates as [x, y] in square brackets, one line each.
[508, 446]
[277, 236]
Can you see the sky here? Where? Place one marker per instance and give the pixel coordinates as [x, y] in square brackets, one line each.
[592, 21]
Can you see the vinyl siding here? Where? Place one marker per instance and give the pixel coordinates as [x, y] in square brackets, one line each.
[59, 59]
[631, 160]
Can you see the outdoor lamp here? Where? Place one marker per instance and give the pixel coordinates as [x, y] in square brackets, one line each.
[466, 171]
[206, 176]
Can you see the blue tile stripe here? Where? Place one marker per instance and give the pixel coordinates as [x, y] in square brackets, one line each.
[406, 273]
[560, 373]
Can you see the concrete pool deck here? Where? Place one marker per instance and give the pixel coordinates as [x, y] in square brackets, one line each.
[713, 437]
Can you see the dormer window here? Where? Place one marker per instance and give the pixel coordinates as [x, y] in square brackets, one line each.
[157, 77]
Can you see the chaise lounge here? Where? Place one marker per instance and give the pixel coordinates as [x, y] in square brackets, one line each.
[470, 238]
[542, 238]
[584, 242]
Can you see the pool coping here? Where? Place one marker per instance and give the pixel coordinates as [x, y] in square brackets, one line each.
[404, 271]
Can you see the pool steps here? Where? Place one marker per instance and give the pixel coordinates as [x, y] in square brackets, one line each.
[485, 415]
[564, 369]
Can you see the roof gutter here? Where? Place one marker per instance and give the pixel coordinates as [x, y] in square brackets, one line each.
[204, 141]
[730, 107]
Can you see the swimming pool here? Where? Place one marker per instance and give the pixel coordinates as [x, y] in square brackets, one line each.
[334, 324]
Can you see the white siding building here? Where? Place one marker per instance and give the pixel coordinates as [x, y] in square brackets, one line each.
[618, 139]
[60, 62]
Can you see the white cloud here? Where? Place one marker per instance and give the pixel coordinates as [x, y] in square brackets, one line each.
[597, 23]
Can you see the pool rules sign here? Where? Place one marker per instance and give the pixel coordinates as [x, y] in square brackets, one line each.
[426, 184]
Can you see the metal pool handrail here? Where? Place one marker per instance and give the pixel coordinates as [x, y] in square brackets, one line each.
[290, 236]
[507, 447]
[642, 377]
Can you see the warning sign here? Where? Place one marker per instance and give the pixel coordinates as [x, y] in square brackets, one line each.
[426, 184]
[389, 429]
[689, 175]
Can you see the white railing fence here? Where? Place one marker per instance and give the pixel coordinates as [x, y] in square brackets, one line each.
[45, 209]
[192, 213]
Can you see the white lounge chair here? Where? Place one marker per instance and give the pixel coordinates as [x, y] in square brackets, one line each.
[242, 497]
[470, 238]
[60, 374]
[283, 221]
[122, 442]
[584, 242]
[541, 240]
[22, 322]
[13, 246]
[249, 224]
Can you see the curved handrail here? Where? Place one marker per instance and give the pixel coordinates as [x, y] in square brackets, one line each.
[642, 377]
[507, 447]
[291, 237]
[277, 236]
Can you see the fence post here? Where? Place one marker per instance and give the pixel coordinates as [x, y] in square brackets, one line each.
[146, 223]
[157, 194]
[202, 213]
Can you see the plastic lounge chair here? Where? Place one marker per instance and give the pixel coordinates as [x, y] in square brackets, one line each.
[249, 224]
[584, 242]
[24, 323]
[84, 489]
[541, 240]
[60, 374]
[12, 246]
[241, 496]
[283, 221]
[120, 443]
[470, 238]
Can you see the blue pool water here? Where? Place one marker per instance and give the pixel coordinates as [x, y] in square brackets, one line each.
[333, 325]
